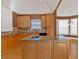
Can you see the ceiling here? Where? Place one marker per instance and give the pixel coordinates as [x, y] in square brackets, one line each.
[67, 7]
[31, 6]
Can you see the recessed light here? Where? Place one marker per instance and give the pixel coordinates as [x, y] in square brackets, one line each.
[41, 0]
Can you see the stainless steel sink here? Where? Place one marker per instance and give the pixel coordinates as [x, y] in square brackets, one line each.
[36, 37]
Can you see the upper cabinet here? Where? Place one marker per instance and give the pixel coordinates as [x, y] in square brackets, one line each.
[50, 20]
[23, 22]
[51, 24]
[43, 20]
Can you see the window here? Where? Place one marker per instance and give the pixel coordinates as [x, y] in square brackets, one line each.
[67, 27]
[63, 27]
[73, 26]
[35, 24]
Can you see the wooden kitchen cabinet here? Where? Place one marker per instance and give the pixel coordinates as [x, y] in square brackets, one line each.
[10, 49]
[60, 50]
[29, 50]
[7, 42]
[73, 49]
[43, 20]
[23, 22]
[41, 49]
[51, 25]
[37, 50]
[50, 20]
[44, 49]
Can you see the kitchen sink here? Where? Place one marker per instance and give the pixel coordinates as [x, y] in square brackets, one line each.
[36, 37]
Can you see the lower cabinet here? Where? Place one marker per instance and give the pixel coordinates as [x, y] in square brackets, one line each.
[36, 50]
[29, 50]
[61, 50]
[45, 49]
[74, 49]
[10, 48]
[41, 49]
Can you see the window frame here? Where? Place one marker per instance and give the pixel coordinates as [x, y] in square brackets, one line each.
[68, 18]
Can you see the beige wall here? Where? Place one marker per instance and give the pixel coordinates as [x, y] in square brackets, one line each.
[6, 19]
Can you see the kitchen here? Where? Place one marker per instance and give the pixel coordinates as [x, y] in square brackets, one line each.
[29, 30]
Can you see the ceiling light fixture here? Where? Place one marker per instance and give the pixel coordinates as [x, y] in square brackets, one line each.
[41, 0]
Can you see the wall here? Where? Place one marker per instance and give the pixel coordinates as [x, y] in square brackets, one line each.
[6, 19]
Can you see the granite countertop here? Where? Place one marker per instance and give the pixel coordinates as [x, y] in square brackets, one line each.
[41, 38]
[19, 31]
[13, 33]
[38, 38]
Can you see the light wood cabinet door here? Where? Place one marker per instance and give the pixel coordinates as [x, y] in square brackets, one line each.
[23, 21]
[44, 49]
[29, 50]
[73, 49]
[50, 20]
[43, 20]
[10, 48]
[60, 50]
[51, 24]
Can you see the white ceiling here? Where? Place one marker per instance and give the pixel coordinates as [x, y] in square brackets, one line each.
[32, 6]
[67, 7]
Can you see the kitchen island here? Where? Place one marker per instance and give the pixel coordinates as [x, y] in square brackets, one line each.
[18, 46]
